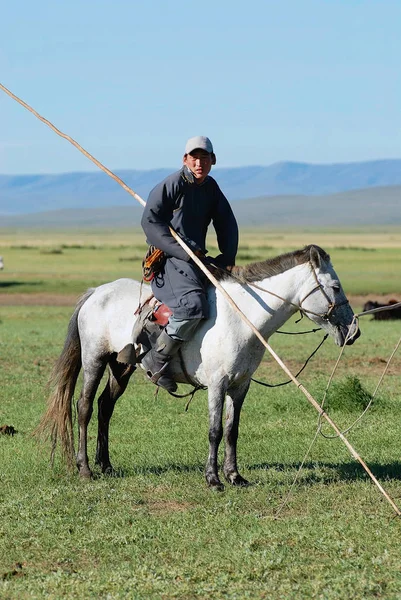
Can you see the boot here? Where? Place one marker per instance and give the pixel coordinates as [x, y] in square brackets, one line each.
[156, 361]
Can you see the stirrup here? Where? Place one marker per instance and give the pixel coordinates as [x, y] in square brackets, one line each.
[162, 380]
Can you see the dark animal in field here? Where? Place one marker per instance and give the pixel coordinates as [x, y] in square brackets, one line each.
[7, 430]
[386, 313]
[222, 356]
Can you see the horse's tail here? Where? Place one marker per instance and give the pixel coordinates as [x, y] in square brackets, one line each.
[57, 420]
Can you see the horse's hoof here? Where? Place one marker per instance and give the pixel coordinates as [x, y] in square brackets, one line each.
[237, 480]
[215, 484]
[85, 473]
[216, 487]
[109, 471]
[106, 469]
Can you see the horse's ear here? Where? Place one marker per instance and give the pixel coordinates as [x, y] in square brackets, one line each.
[315, 257]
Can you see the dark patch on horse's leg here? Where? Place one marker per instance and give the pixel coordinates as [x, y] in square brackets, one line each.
[234, 402]
[91, 382]
[119, 376]
[216, 401]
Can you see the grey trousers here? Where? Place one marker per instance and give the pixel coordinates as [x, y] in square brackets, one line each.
[182, 287]
[181, 329]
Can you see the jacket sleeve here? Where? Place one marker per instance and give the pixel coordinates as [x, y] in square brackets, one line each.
[156, 218]
[225, 225]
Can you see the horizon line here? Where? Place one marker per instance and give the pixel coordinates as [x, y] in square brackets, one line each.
[217, 168]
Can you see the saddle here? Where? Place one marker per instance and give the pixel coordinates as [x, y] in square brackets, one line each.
[152, 318]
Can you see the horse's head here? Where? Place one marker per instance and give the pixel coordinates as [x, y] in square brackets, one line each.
[325, 303]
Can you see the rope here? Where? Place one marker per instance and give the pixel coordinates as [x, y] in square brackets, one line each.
[380, 309]
[195, 385]
[299, 332]
[330, 437]
[339, 434]
[301, 466]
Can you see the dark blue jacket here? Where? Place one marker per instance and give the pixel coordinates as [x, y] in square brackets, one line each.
[190, 208]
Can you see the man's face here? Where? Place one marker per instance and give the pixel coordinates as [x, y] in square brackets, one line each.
[199, 162]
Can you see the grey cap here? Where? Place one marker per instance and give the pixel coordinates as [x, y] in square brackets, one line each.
[198, 142]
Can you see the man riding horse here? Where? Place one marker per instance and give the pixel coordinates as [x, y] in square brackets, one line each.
[188, 200]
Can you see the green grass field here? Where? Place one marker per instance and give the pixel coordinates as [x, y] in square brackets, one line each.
[156, 531]
[67, 263]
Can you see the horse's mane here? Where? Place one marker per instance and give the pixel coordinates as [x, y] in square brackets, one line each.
[274, 266]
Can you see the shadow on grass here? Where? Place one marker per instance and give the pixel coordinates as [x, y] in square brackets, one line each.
[8, 284]
[312, 472]
[152, 470]
[319, 472]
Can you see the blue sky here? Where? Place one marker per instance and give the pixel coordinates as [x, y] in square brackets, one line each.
[309, 80]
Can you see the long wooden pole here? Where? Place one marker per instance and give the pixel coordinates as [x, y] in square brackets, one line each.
[221, 289]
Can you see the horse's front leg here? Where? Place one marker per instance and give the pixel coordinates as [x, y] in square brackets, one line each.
[234, 401]
[216, 401]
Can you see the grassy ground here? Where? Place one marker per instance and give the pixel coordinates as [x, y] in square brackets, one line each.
[156, 531]
[368, 262]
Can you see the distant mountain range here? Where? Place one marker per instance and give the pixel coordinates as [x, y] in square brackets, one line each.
[371, 207]
[24, 194]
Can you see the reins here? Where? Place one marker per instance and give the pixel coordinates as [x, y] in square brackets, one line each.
[189, 379]
[270, 385]
[331, 305]
[325, 316]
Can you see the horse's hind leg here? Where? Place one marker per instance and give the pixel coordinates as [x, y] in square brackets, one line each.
[234, 401]
[91, 378]
[216, 402]
[119, 375]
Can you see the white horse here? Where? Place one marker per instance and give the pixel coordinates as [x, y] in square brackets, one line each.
[1, 263]
[222, 356]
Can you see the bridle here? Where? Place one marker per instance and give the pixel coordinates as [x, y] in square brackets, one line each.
[331, 305]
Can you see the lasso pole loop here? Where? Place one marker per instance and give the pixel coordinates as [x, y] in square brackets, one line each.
[221, 289]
